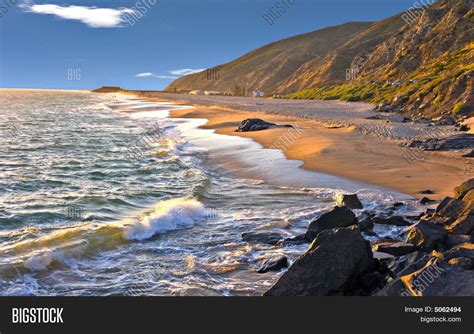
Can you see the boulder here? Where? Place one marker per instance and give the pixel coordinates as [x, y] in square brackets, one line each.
[394, 248]
[262, 237]
[462, 262]
[426, 200]
[436, 278]
[394, 220]
[296, 240]
[366, 224]
[333, 265]
[463, 250]
[409, 263]
[273, 264]
[455, 215]
[340, 216]
[463, 189]
[256, 124]
[426, 236]
[454, 240]
[351, 201]
[469, 197]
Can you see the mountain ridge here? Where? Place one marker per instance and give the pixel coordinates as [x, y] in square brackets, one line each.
[427, 63]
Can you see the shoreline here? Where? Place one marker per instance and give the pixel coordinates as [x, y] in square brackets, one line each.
[337, 150]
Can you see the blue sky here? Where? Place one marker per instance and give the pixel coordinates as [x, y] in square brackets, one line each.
[84, 44]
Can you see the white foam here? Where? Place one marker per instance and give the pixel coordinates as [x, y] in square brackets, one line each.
[39, 261]
[168, 216]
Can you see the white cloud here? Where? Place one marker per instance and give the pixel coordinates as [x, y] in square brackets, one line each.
[175, 73]
[186, 71]
[93, 17]
[149, 74]
[144, 75]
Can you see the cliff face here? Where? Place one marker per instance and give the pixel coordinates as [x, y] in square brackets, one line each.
[421, 61]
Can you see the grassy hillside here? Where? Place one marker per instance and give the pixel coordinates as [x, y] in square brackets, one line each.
[443, 86]
[423, 67]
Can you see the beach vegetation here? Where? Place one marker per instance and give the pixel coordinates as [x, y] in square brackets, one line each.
[431, 85]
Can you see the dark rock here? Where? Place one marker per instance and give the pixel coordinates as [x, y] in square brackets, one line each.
[463, 250]
[274, 264]
[384, 108]
[366, 224]
[430, 212]
[426, 192]
[458, 142]
[462, 262]
[371, 233]
[427, 236]
[394, 248]
[398, 204]
[463, 189]
[455, 215]
[369, 282]
[469, 197]
[417, 217]
[469, 154]
[426, 200]
[394, 220]
[262, 237]
[296, 240]
[436, 278]
[256, 124]
[351, 201]
[334, 262]
[376, 117]
[409, 263]
[340, 216]
[454, 240]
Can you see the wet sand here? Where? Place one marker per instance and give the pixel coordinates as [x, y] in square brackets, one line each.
[339, 147]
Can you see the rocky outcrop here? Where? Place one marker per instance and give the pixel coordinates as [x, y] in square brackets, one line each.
[433, 261]
[333, 265]
[256, 124]
[340, 216]
[435, 278]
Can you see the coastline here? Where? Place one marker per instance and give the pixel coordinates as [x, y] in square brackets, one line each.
[337, 150]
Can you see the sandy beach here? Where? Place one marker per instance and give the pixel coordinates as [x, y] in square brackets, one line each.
[334, 137]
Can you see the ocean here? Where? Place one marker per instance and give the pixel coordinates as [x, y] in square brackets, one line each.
[105, 194]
